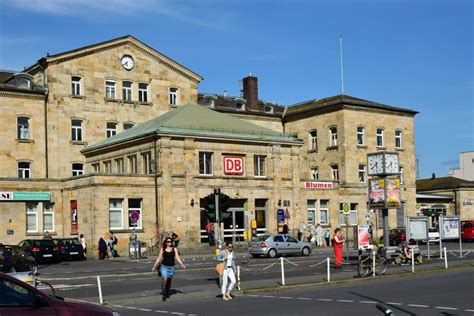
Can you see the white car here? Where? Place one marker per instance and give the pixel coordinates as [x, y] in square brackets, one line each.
[433, 235]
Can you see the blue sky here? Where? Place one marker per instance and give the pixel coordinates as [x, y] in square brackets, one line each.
[414, 53]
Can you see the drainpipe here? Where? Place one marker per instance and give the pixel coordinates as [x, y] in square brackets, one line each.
[46, 134]
[455, 202]
[283, 118]
[157, 222]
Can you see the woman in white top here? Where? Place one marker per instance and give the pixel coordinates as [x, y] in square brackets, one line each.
[84, 245]
[227, 256]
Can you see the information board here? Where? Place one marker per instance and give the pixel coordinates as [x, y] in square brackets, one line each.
[417, 228]
[450, 228]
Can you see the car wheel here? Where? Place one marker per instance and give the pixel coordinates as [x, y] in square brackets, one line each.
[305, 251]
[272, 253]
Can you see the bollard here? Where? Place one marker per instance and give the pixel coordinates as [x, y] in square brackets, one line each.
[329, 270]
[440, 248]
[373, 263]
[412, 261]
[445, 258]
[238, 278]
[100, 290]
[282, 272]
[460, 248]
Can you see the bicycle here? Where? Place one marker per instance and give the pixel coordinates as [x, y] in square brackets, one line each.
[364, 267]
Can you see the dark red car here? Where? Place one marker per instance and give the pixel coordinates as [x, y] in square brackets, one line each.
[396, 236]
[19, 298]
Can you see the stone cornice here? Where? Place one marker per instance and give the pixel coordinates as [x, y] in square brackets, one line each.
[11, 93]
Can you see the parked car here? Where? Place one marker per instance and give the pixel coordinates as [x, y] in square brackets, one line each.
[273, 245]
[433, 234]
[467, 230]
[21, 261]
[43, 250]
[396, 236]
[70, 248]
[19, 298]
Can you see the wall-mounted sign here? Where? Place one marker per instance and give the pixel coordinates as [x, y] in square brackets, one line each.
[25, 196]
[10, 231]
[318, 185]
[468, 202]
[234, 165]
[280, 220]
[449, 227]
[74, 224]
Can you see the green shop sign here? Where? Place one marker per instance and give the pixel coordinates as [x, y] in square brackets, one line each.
[25, 196]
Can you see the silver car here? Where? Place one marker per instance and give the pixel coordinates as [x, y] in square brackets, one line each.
[274, 245]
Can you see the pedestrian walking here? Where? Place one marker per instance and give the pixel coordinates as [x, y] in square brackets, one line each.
[210, 233]
[319, 235]
[175, 239]
[327, 237]
[337, 244]
[83, 244]
[312, 232]
[227, 256]
[112, 242]
[301, 231]
[102, 249]
[167, 265]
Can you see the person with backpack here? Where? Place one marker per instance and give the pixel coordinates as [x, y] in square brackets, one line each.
[112, 242]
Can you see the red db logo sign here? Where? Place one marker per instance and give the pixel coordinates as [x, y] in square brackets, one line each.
[234, 165]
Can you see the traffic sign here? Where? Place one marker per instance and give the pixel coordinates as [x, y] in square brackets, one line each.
[346, 208]
[135, 216]
[367, 216]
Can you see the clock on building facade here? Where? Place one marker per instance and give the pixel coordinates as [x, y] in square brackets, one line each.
[127, 62]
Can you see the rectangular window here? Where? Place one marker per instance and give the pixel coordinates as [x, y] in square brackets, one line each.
[24, 170]
[127, 126]
[76, 85]
[360, 136]
[132, 164]
[402, 175]
[315, 173]
[135, 213]
[323, 212]
[335, 172]
[119, 165]
[96, 167]
[23, 126]
[110, 89]
[146, 159]
[108, 166]
[173, 96]
[398, 139]
[205, 163]
[111, 129]
[380, 142]
[127, 91]
[313, 140]
[143, 92]
[333, 136]
[362, 173]
[77, 169]
[31, 217]
[48, 216]
[352, 217]
[259, 166]
[76, 130]
[115, 213]
[311, 211]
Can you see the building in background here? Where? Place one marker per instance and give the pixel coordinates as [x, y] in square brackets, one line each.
[466, 167]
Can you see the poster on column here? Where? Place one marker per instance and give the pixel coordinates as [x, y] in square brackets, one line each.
[280, 220]
[74, 229]
[450, 228]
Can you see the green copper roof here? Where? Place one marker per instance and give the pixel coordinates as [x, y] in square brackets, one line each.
[195, 120]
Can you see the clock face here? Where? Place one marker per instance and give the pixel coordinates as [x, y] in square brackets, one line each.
[127, 62]
[391, 163]
[375, 163]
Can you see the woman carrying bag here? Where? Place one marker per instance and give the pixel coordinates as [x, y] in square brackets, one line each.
[166, 263]
[227, 257]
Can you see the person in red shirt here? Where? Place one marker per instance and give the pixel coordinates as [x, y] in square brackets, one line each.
[337, 244]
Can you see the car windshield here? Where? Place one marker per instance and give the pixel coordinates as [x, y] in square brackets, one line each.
[43, 243]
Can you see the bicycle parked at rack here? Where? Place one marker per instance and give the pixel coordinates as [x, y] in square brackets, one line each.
[365, 268]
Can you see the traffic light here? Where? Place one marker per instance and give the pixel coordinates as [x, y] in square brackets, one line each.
[224, 203]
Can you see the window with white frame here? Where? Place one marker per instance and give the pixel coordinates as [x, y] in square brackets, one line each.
[76, 85]
[115, 213]
[48, 216]
[119, 165]
[143, 92]
[335, 172]
[324, 212]
[108, 166]
[333, 136]
[146, 159]
[353, 214]
[110, 89]
[259, 166]
[173, 96]
[76, 130]
[134, 211]
[127, 126]
[127, 90]
[313, 140]
[111, 129]
[205, 163]
[380, 140]
[132, 164]
[311, 211]
[360, 135]
[315, 173]
[398, 139]
[362, 173]
[23, 127]
[31, 217]
[402, 175]
[77, 169]
[24, 170]
[96, 167]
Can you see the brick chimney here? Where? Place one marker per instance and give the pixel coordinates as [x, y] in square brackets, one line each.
[250, 84]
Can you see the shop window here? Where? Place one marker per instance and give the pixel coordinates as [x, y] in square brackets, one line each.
[31, 217]
[353, 214]
[23, 127]
[311, 211]
[24, 170]
[134, 211]
[48, 216]
[205, 163]
[115, 213]
[77, 169]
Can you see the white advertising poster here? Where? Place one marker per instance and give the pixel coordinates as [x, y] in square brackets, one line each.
[450, 228]
[417, 228]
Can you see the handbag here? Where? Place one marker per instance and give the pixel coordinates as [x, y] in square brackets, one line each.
[220, 268]
[159, 270]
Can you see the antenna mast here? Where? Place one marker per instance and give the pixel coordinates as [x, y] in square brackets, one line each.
[342, 65]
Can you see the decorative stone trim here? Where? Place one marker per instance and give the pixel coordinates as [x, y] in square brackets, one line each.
[23, 95]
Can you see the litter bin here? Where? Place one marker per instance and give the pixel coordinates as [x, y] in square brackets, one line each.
[137, 250]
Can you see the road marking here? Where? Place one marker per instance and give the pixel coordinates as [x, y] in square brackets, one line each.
[392, 303]
[325, 299]
[346, 301]
[448, 308]
[286, 297]
[268, 296]
[119, 306]
[368, 302]
[131, 307]
[176, 313]
[145, 309]
[418, 305]
[469, 310]
[163, 312]
[305, 298]
[252, 295]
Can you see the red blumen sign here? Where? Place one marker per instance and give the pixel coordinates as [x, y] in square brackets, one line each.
[234, 165]
[318, 185]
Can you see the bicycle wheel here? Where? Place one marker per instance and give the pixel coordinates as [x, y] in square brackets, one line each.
[381, 265]
[363, 269]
